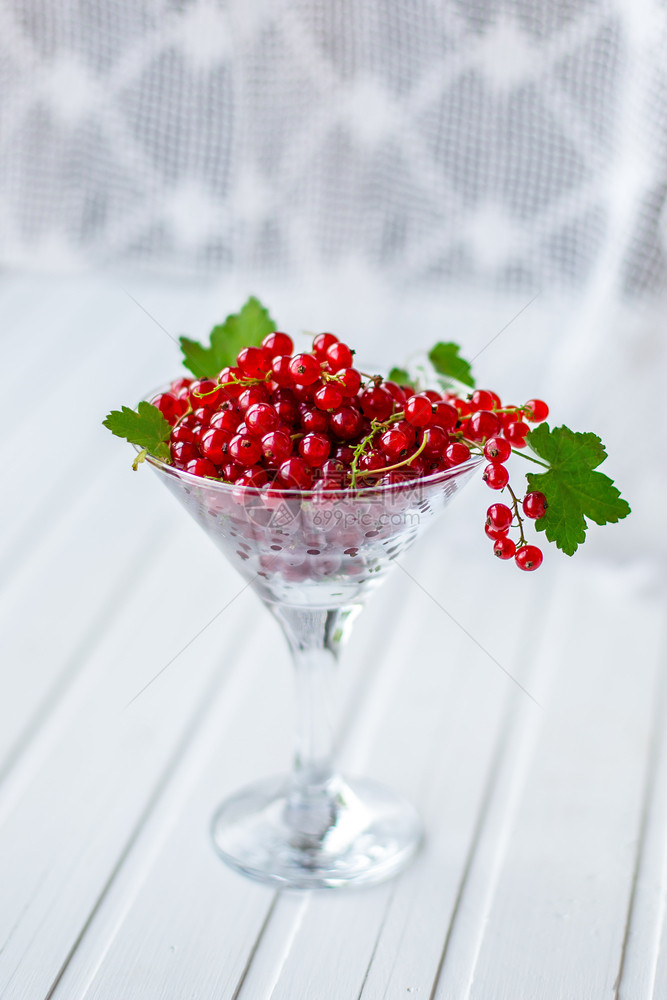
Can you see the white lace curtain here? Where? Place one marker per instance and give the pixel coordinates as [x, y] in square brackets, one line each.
[513, 144]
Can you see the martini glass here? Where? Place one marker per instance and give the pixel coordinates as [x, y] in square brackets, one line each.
[313, 558]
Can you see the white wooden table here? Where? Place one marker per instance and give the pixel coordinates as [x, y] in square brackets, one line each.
[545, 867]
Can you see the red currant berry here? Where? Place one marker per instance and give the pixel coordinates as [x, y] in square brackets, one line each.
[445, 415]
[346, 422]
[205, 393]
[202, 467]
[285, 406]
[214, 444]
[372, 461]
[306, 393]
[226, 419]
[339, 356]
[499, 516]
[335, 471]
[456, 453]
[329, 397]
[496, 476]
[535, 505]
[230, 472]
[254, 478]
[484, 399]
[409, 431]
[528, 557]
[182, 433]
[276, 447]
[376, 402]
[536, 411]
[397, 393]
[417, 467]
[494, 532]
[183, 452]
[419, 410]
[435, 442]
[170, 406]
[344, 454]
[245, 450]
[201, 416]
[431, 394]
[315, 448]
[260, 418]
[229, 387]
[348, 381]
[305, 369]
[295, 474]
[394, 443]
[510, 416]
[504, 548]
[278, 345]
[280, 370]
[313, 420]
[497, 449]
[180, 385]
[188, 421]
[322, 343]
[254, 362]
[248, 398]
[516, 432]
[483, 424]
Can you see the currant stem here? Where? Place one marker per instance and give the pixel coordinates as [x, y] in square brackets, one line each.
[182, 417]
[529, 458]
[245, 382]
[390, 468]
[515, 504]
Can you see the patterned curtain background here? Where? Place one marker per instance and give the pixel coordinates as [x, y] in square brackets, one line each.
[510, 144]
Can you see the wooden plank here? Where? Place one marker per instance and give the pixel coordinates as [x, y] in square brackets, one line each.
[53, 619]
[80, 809]
[545, 902]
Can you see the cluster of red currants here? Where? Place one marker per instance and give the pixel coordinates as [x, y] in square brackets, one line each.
[312, 421]
[499, 520]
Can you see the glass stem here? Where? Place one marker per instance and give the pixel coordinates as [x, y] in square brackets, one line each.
[315, 637]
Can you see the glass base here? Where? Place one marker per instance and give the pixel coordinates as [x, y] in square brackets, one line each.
[368, 835]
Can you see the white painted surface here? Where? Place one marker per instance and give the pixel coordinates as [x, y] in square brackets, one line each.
[544, 872]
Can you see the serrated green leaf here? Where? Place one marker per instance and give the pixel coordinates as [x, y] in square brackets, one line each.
[567, 449]
[399, 375]
[246, 328]
[145, 427]
[574, 491]
[447, 361]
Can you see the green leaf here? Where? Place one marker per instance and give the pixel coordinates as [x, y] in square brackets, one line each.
[246, 328]
[399, 375]
[574, 491]
[446, 360]
[145, 427]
